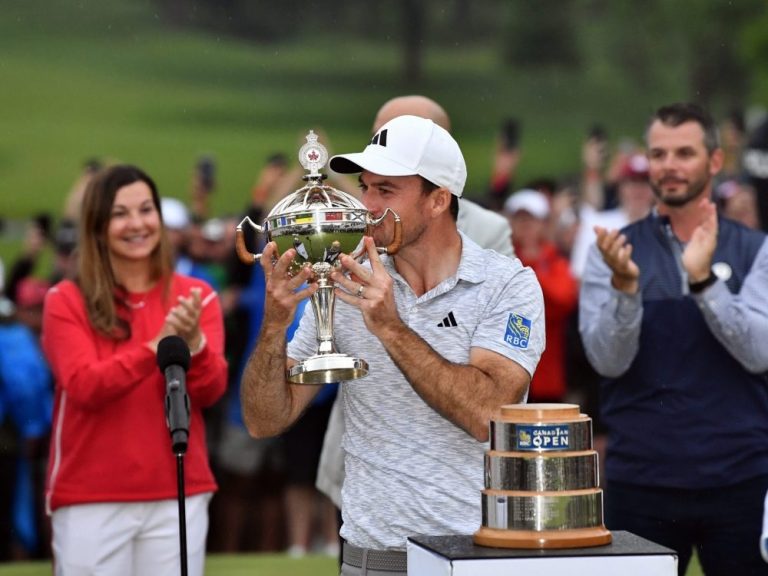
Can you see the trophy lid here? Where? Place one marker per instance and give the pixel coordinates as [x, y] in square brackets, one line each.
[315, 195]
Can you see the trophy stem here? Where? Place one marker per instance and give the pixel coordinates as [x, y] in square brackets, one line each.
[323, 304]
[328, 365]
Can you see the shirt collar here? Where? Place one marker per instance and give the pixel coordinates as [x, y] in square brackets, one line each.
[472, 265]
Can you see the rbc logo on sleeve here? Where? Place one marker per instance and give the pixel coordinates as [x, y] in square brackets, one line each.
[518, 331]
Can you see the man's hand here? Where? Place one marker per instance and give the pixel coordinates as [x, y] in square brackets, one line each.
[282, 290]
[370, 290]
[697, 256]
[617, 254]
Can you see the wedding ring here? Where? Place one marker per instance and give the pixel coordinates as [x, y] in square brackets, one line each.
[360, 290]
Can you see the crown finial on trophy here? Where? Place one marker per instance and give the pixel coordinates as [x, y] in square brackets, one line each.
[313, 157]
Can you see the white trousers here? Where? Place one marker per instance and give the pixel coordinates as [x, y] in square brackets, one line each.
[129, 539]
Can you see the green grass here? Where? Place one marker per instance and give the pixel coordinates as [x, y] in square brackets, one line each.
[220, 565]
[247, 565]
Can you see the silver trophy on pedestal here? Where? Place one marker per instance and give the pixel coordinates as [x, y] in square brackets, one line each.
[320, 223]
[542, 488]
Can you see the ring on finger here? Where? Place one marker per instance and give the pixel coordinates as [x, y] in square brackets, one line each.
[360, 290]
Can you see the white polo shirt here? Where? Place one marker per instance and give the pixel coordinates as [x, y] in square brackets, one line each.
[408, 469]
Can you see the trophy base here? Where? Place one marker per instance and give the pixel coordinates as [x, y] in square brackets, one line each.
[545, 539]
[327, 368]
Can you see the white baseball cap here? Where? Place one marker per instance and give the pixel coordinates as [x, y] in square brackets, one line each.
[408, 146]
[531, 201]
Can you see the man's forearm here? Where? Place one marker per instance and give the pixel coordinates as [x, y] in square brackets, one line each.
[265, 395]
[461, 393]
[740, 322]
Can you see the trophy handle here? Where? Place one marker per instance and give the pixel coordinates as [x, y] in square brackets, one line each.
[245, 256]
[397, 238]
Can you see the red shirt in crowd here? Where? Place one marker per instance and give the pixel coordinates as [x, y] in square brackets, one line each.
[561, 294]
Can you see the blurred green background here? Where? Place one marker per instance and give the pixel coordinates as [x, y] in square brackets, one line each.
[161, 82]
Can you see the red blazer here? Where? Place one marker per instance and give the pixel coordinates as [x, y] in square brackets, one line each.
[110, 441]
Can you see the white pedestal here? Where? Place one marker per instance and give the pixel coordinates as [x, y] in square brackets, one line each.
[628, 555]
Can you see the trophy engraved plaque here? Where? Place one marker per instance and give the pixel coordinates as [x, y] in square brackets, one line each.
[541, 480]
[320, 223]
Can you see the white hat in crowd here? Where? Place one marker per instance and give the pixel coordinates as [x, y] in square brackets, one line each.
[531, 201]
[408, 146]
[214, 230]
[175, 214]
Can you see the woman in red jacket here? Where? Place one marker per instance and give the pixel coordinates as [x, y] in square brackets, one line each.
[112, 476]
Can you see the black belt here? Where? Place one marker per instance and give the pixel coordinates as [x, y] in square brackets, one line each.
[384, 560]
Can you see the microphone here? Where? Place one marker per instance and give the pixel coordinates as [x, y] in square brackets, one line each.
[173, 360]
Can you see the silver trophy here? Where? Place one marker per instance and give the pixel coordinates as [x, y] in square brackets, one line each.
[320, 223]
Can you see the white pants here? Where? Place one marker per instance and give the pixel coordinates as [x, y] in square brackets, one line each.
[132, 538]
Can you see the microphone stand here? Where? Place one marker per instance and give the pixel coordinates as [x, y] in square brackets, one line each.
[173, 359]
[182, 511]
[179, 444]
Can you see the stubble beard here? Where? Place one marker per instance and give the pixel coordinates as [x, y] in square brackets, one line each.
[693, 191]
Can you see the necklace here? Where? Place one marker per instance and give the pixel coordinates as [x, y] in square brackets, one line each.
[137, 298]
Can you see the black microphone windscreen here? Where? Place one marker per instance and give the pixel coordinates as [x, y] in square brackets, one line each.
[172, 350]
